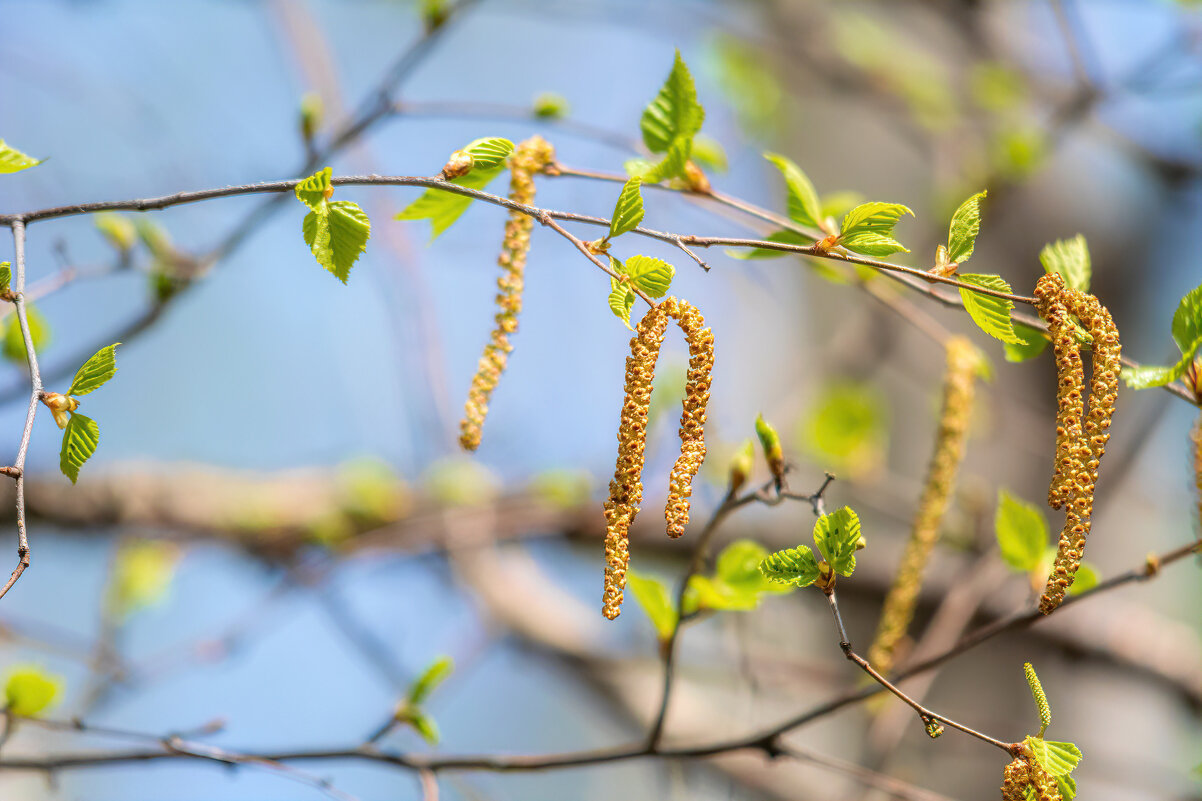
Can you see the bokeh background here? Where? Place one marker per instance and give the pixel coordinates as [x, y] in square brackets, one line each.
[295, 438]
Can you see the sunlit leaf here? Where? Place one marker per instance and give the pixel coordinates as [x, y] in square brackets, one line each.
[1070, 258]
[989, 312]
[846, 428]
[628, 212]
[1033, 342]
[653, 597]
[966, 224]
[13, 160]
[1022, 532]
[650, 275]
[868, 229]
[95, 371]
[837, 536]
[80, 438]
[675, 112]
[802, 205]
[795, 566]
[434, 674]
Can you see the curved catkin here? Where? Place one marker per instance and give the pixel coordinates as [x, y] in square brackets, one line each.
[1015, 780]
[955, 416]
[692, 418]
[1082, 424]
[528, 158]
[626, 489]
[1041, 698]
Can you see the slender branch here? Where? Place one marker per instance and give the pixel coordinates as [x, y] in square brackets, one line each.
[35, 381]
[924, 713]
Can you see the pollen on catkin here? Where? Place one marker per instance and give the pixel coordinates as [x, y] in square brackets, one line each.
[963, 361]
[1082, 424]
[528, 158]
[692, 418]
[626, 489]
[1015, 779]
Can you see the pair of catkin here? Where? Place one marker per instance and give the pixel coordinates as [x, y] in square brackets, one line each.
[528, 158]
[626, 489]
[1022, 774]
[963, 362]
[1082, 423]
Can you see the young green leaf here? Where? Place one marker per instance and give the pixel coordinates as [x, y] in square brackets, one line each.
[443, 208]
[1153, 376]
[1022, 533]
[785, 236]
[28, 691]
[650, 275]
[621, 301]
[1070, 258]
[1033, 342]
[422, 723]
[868, 229]
[1187, 333]
[6, 276]
[675, 112]
[80, 438]
[312, 191]
[802, 205]
[628, 212]
[966, 224]
[1058, 759]
[95, 371]
[653, 596]
[1187, 321]
[14, 342]
[118, 229]
[489, 153]
[13, 160]
[337, 235]
[673, 163]
[434, 674]
[990, 313]
[1041, 699]
[796, 566]
[837, 536]
[709, 592]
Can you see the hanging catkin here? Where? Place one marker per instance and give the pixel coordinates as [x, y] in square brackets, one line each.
[528, 158]
[692, 418]
[963, 362]
[1082, 425]
[626, 489]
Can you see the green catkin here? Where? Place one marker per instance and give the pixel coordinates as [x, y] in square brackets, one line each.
[1041, 700]
[528, 158]
[1079, 446]
[963, 362]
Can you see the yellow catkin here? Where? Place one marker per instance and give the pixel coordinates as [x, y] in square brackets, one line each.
[963, 362]
[692, 418]
[1046, 788]
[528, 158]
[626, 489]
[1015, 780]
[1082, 424]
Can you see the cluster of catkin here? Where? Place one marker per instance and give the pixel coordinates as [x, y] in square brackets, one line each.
[528, 158]
[1021, 775]
[626, 489]
[1082, 423]
[963, 362]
